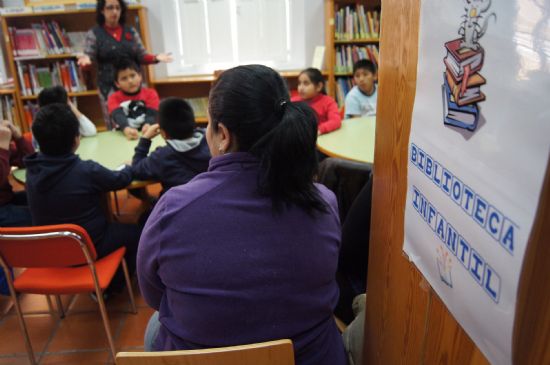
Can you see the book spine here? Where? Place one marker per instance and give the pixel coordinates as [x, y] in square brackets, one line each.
[65, 78]
[11, 31]
[21, 79]
[28, 114]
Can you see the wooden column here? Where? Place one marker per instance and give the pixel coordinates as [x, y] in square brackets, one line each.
[406, 322]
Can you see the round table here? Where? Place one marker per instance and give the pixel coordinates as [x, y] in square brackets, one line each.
[353, 141]
[110, 149]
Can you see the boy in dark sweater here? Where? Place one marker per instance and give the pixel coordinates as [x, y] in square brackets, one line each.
[132, 107]
[62, 188]
[186, 153]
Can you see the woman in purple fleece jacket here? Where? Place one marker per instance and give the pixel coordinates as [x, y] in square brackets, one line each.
[247, 251]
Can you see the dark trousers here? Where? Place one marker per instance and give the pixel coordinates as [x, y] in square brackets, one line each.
[354, 253]
[120, 235]
[16, 213]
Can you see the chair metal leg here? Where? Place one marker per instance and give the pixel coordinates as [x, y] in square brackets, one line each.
[117, 208]
[50, 305]
[129, 286]
[23, 326]
[20, 319]
[106, 322]
[60, 309]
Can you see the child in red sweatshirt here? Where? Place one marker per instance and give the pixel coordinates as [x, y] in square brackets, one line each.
[132, 107]
[311, 89]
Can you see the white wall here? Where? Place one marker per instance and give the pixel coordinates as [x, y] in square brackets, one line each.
[314, 36]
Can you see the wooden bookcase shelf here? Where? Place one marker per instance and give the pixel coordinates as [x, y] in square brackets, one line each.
[60, 56]
[71, 20]
[331, 43]
[71, 95]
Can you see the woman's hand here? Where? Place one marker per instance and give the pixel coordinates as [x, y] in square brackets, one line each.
[84, 61]
[164, 57]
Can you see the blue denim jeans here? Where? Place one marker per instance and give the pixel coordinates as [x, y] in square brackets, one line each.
[16, 213]
[151, 332]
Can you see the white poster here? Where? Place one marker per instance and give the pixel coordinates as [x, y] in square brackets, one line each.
[479, 147]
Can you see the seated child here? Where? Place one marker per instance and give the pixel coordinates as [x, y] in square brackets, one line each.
[311, 89]
[13, 147]
[64, 189]
[132, 107]
[361, 99]
[186, 153]
[58, 94]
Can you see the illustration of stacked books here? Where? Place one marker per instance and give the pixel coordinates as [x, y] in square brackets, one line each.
[462, 85]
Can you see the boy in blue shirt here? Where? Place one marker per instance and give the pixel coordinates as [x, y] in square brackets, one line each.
[62, 188]
[186, 153]
[361, 99]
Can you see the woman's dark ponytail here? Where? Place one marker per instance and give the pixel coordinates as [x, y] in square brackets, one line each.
[253, 103]
[289, 159]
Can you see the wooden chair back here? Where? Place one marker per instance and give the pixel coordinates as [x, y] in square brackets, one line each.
[278, 352]
[61, 245]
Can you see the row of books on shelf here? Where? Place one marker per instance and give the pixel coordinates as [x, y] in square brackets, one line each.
[356, 23]
[66, 73]
[346, 56]
[7, 107]
[343, 86]
[45, 38]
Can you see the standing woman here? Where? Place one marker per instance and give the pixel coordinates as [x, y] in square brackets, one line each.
[109, 41]
[247, 251]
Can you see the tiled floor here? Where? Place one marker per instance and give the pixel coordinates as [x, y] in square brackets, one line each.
[79, 338]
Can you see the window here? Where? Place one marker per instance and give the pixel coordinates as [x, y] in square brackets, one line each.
[208, 35]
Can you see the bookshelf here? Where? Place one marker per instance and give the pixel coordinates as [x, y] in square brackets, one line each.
[349, 37]
[84, 91]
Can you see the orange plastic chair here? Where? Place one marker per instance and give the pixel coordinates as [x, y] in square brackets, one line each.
[59, 259]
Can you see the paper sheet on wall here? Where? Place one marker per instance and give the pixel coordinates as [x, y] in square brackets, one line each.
[478, 152]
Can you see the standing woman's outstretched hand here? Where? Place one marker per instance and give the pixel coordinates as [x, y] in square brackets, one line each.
[164, 57]
[84, 61]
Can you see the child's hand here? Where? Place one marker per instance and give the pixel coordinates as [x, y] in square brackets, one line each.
[84, 61]
[130, 133]
[15, 130]
[145, 127]
[5, 137]
[151, 131]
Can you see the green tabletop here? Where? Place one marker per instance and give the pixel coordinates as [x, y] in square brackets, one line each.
[110, 149]
[354, 141]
